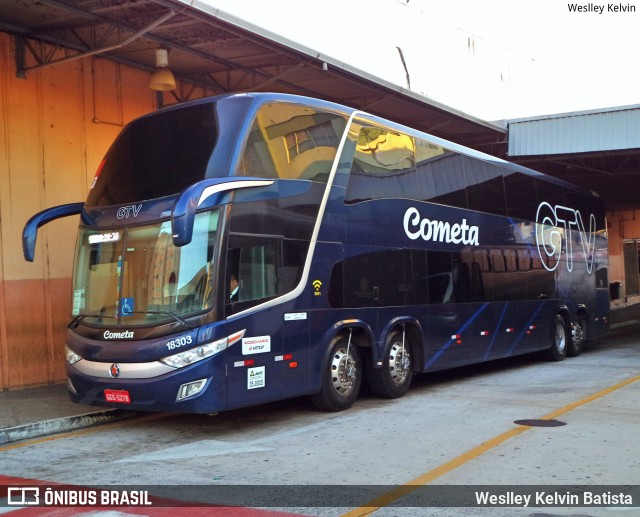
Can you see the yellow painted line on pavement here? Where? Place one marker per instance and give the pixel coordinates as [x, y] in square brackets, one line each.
[430, 476]
[82, 432]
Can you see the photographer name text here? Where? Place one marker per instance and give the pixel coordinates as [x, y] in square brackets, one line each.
[601, 8]
[543, 498]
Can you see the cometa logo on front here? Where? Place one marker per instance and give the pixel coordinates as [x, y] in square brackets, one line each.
[439, 231]
[125, 334]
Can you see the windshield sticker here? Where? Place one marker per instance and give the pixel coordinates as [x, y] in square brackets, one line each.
[256, 345]
[126, 306]
[439, 231]
[78, 298]
[256, 378]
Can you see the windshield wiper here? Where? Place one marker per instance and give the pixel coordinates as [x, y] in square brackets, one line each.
[96, 314]
[168, 313]
[100, 315]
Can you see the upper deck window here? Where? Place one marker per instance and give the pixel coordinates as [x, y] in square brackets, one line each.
[156, 156]
[291, 141]
[388, 164]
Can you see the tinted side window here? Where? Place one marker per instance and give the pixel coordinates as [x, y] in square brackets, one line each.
[449, 278]
[265, 267]
[485, 187]
[521, 196]
[586, 205]
[549, 192]
[290, 141]
[393, 285]
[442, 174]
[388, 164]
[362, 280]
[375, 278]
[417, 277]
[268, 246]
[383, 166]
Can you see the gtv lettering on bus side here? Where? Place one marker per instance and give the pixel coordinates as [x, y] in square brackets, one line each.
[440, 231]
[549, 237]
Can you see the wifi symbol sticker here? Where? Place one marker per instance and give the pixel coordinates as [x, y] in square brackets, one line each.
[317, 284]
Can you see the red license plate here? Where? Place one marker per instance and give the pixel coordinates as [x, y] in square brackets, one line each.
[120, 396]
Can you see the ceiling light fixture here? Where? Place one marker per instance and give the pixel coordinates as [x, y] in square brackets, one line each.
[162, 80]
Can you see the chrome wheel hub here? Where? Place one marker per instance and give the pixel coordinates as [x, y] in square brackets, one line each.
[399, 363]
[343, 371]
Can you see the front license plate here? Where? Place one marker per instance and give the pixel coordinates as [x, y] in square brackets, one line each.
[120, 396]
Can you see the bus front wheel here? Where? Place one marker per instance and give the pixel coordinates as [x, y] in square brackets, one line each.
[394, 378]
[341, 377]
[559, 340]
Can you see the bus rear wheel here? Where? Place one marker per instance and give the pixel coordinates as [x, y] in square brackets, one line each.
[559, 340]
[341, 378]
[394, 378]
[578, 336]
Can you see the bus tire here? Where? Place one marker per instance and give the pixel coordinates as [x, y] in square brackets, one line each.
[579, 335]
[560, 339]
[394, 378]
[341, 376]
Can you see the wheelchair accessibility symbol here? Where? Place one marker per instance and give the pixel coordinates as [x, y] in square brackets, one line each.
[126, 306]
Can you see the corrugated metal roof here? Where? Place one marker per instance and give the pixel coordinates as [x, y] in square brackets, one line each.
[579, 132]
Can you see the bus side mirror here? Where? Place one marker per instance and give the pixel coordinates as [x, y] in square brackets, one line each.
[30, 231]
[184, 209]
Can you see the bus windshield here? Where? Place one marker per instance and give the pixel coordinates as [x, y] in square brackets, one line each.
[136, 276]
[156, 156]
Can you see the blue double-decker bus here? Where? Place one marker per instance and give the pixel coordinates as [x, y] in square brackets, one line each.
[248, 248]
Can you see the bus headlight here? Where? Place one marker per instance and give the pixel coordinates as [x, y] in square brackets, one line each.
[72, 357]
[196, 354]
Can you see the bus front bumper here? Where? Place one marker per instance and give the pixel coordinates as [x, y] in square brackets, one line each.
[198, 388]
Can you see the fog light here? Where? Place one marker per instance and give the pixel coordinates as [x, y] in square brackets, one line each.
[191, 388]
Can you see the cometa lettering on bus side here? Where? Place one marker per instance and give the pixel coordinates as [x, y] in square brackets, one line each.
[440, 231]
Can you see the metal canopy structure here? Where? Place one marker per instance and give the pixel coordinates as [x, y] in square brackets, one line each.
[599, 149]
[212, 52]
[614, 175]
